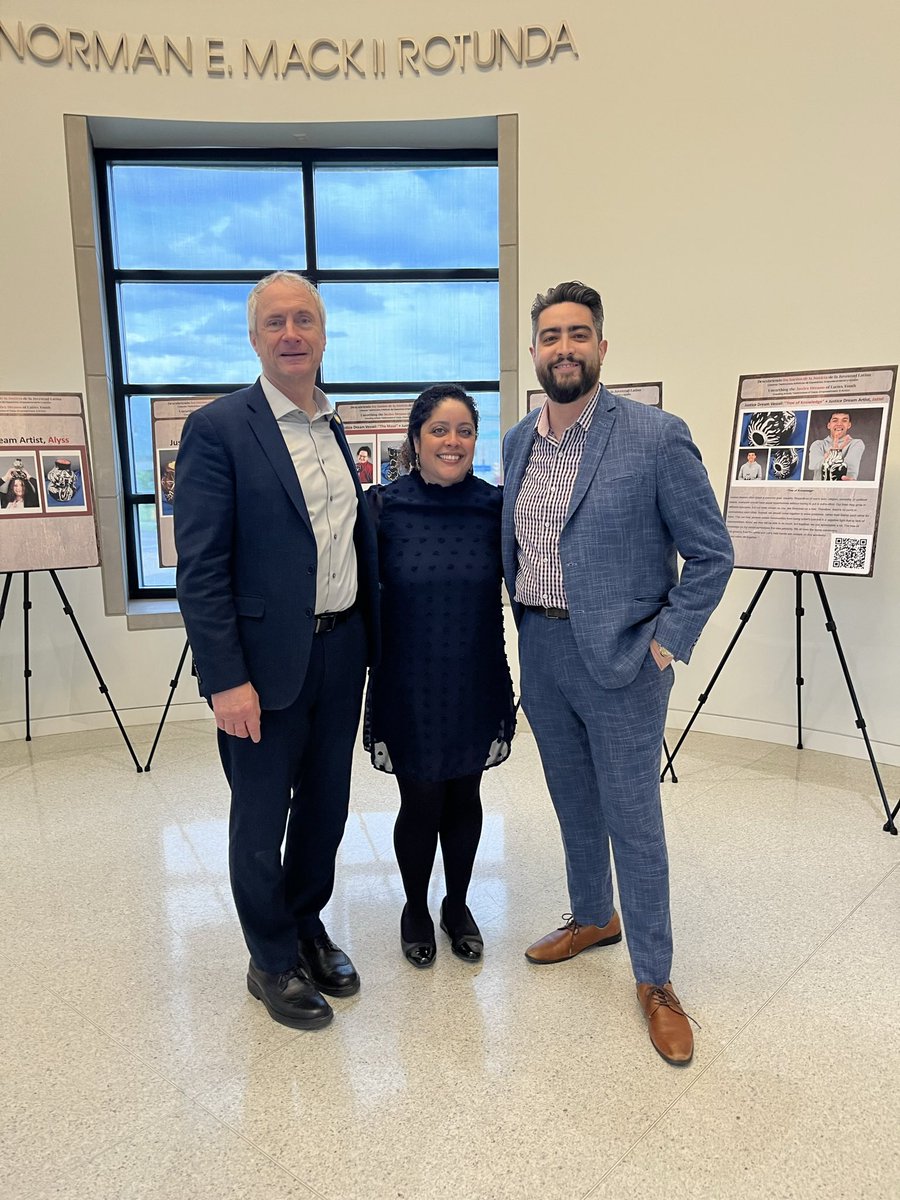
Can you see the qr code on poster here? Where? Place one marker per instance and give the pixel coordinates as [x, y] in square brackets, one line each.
[850, 553]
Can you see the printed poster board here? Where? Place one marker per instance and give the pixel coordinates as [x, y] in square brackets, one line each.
[806, 469]
[375, 429]
[167, 418]
[644, 393]
[47, 520]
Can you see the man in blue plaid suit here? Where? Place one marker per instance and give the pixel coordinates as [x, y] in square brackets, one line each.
[600, 495]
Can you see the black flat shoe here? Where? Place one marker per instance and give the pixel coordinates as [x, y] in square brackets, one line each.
[420, 953]
[466, 942]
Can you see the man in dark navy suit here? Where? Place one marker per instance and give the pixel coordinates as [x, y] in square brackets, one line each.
[277, 584]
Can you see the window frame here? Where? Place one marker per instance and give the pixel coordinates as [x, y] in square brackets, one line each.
[112, 277]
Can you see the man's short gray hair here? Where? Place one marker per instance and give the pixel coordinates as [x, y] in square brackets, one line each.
[289, 277]
[573, 292]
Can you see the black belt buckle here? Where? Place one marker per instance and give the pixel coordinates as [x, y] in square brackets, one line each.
[552, 614]
[325, 622]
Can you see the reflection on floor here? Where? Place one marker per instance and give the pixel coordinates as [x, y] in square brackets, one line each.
[135, 1064]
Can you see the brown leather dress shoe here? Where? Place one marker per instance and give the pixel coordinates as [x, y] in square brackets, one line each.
[670, 1026]
[570, 939]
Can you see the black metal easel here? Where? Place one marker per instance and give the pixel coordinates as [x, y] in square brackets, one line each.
[173, 684]
[67, 609]
[831, 626]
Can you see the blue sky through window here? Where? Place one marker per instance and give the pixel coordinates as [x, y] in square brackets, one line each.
[197, 219]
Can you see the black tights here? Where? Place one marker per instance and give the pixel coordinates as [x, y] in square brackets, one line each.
[449, 810]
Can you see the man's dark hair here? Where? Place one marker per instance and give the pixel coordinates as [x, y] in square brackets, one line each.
[573, 292]
[423, 406]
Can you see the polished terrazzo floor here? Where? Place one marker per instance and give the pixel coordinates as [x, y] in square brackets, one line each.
[135, 1064]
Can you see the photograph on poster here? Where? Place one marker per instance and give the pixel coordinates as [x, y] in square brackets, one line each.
[20, 492]
[165, 481]
[844, 445]
[63, 476]
[816, 442]
[752, 466]
[362, 448]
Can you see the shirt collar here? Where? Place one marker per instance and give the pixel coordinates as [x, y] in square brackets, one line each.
[584, 419]
[282, 406]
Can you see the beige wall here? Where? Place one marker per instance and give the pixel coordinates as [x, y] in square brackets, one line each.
[724, 173]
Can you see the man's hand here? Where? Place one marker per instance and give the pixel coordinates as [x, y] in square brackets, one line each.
[237, 711]
[661, 660]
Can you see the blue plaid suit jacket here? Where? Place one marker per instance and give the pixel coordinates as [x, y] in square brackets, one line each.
[641, 498]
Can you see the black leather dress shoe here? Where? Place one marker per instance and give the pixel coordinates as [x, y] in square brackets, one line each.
[290, 997]
[466, 941]
[421, 953]
[329, 967]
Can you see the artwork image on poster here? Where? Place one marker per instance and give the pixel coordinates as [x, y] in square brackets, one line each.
[390, 466]
[774, 427]
[20, 493]
[362, 448]
[63, 476]
[785, 465]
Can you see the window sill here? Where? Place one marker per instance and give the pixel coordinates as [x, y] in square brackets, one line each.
[153, 614]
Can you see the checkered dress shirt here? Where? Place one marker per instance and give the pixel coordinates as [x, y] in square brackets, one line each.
[541, 508]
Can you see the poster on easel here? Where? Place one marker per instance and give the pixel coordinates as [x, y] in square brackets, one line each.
[643, 393]
[376, 430]
[167, 418]
[46, 493]
[806, 469]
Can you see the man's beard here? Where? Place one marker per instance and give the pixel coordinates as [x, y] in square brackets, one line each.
[567, 391]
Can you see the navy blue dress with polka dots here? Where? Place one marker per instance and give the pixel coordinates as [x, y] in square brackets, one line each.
[440, 704]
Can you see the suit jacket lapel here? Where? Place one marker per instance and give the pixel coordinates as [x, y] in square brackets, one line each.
[519, 453]
[265, 429]
[594, 446]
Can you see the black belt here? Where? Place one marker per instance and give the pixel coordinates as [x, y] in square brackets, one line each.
[325, 622]
[552, 614]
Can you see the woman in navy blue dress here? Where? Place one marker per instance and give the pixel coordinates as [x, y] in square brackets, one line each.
[439, 708]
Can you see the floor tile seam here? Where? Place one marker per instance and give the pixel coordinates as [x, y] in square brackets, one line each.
[739, 1033]
[187, 1096]
[90, 1159]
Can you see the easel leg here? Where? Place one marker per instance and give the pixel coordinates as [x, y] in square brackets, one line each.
[704, 696]
[668, 766]
[798, 614]
[830, 625]
[104, 690]
[5, 596]
[173, 684]
[26, 627]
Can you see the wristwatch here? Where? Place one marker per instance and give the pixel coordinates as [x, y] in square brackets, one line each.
[663, 652]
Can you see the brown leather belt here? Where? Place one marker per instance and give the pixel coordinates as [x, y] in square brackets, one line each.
[552, 614]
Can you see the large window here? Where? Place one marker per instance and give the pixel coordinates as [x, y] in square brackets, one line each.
[403, 248]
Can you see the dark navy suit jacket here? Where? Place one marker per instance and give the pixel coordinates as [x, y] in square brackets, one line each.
[641, 495]
[246, 578]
